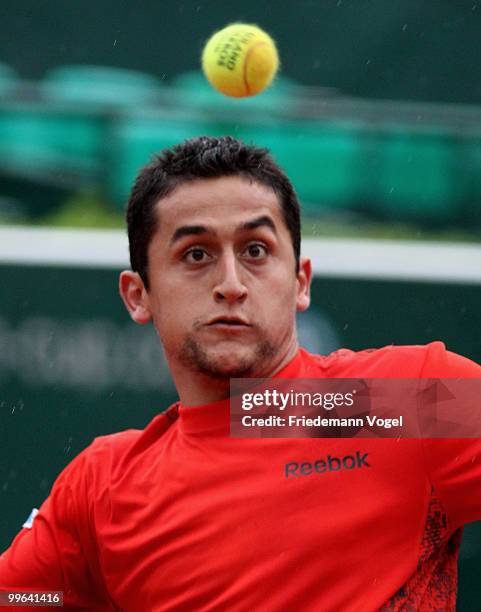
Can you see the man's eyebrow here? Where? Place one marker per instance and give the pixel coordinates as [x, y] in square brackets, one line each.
[263, 221]
[190, 230]
[196, 230]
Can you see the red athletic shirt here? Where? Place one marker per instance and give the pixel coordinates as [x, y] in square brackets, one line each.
[181, 516]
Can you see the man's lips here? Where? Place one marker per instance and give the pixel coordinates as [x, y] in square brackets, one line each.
[228, 322]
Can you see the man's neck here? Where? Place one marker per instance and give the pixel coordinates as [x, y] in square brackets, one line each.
[198, 389]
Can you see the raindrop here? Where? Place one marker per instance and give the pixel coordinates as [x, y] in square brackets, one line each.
[68, 445]
[405, 27]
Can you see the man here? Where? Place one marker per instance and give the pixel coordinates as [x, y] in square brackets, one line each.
[181, 516]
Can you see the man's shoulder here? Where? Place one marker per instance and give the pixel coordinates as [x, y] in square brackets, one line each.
[394, 361]
[111, 452]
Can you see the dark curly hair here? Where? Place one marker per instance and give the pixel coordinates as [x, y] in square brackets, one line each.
[202, 157]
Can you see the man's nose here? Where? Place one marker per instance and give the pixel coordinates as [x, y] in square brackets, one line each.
[229, 285]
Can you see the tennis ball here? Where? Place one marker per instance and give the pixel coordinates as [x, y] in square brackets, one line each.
[240, 60]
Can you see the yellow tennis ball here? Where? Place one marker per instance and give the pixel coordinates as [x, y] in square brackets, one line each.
[240, 60]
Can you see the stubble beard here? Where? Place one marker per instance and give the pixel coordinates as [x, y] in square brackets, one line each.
[197, 359]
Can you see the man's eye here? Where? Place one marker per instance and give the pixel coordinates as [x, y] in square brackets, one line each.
[196, 255]
[256, 251]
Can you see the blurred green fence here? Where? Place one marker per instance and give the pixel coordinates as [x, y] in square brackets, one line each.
[92, 128]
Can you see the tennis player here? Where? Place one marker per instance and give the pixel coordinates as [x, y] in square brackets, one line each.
[181, 516]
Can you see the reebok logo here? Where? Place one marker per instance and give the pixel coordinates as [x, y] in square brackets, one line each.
[329, 464]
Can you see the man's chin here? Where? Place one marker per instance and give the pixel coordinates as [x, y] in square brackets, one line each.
[220, 364]
[225, 361]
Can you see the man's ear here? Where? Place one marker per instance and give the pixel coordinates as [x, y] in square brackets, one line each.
[304, 277]
[134, 295]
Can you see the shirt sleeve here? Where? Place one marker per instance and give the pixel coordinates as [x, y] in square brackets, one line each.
[454, 465]
[52, 555]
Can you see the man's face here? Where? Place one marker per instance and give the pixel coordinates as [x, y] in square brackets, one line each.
[223, 289]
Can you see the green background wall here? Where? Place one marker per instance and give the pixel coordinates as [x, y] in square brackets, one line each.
[401, 49]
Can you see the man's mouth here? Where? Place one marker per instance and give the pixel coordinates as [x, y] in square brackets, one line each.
[228, 322]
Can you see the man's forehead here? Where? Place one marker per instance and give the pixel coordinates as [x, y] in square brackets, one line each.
[218, 202]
